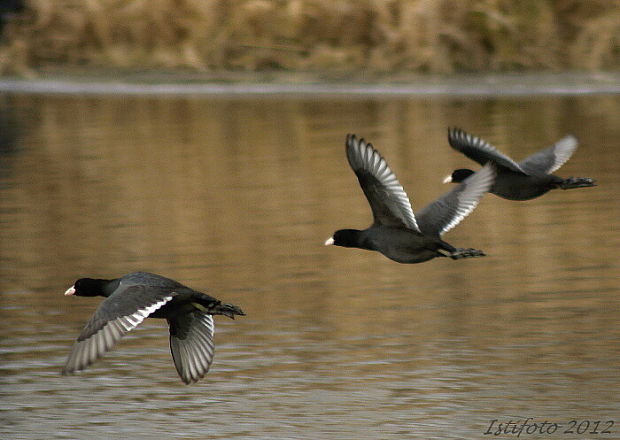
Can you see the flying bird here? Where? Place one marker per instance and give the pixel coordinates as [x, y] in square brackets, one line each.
[131, 299]
[396, 231]
[523, 180]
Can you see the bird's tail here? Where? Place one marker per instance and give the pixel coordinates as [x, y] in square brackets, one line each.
[459, 253]
[577, 182]
[227, 310]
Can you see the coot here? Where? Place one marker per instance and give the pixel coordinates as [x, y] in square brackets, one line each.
[396, 232]
[140, 295]
[524, 180]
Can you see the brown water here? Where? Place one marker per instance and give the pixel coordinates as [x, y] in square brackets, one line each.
[236, 196]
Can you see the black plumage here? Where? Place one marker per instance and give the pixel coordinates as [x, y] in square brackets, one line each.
[140, 295]
[523, 180]
[396, 231]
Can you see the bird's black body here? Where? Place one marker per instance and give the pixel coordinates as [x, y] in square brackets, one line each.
[400, 244]
[397, 232]
[524, 180]
[136, 296]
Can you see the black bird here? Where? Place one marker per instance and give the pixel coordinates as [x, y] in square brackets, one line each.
[524, 180]
[396, 232]
[140, 295]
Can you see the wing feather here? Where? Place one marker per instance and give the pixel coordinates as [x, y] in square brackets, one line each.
[479, 150]
[447, 211]
[550, 159]
[114, 317]
[191, 344]
[388, 200]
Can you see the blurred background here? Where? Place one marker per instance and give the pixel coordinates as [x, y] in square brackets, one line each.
[378, 36]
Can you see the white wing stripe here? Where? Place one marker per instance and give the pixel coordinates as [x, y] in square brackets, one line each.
[129, 322]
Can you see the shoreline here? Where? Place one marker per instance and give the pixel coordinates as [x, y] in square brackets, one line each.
[303, 84]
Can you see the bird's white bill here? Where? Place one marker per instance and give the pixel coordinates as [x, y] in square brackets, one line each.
[447, 179]
[329, 241]
[70, 291]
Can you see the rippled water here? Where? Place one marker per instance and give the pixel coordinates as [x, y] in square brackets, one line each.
[236, 196]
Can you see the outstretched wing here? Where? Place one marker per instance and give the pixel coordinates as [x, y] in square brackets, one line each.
[386, 196]
[480, 150]
[191, 344]
[551, 158]
[447, 211]
[118, 314]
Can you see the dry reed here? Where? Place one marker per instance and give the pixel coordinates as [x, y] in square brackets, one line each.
[439, 36]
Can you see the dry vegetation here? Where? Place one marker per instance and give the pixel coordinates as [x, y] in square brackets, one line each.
[316, 35]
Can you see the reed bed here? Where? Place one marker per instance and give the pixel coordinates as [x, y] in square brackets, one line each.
[437, 36]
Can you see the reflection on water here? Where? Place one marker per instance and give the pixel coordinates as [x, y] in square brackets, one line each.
[237, 196]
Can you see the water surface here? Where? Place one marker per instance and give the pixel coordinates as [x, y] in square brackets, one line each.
[235, 196]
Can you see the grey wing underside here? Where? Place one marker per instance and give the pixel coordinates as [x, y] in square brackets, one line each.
[191, 344]
[447, 211]
[388, 200]
[479, 150]
[110, 323]
[551, 158]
